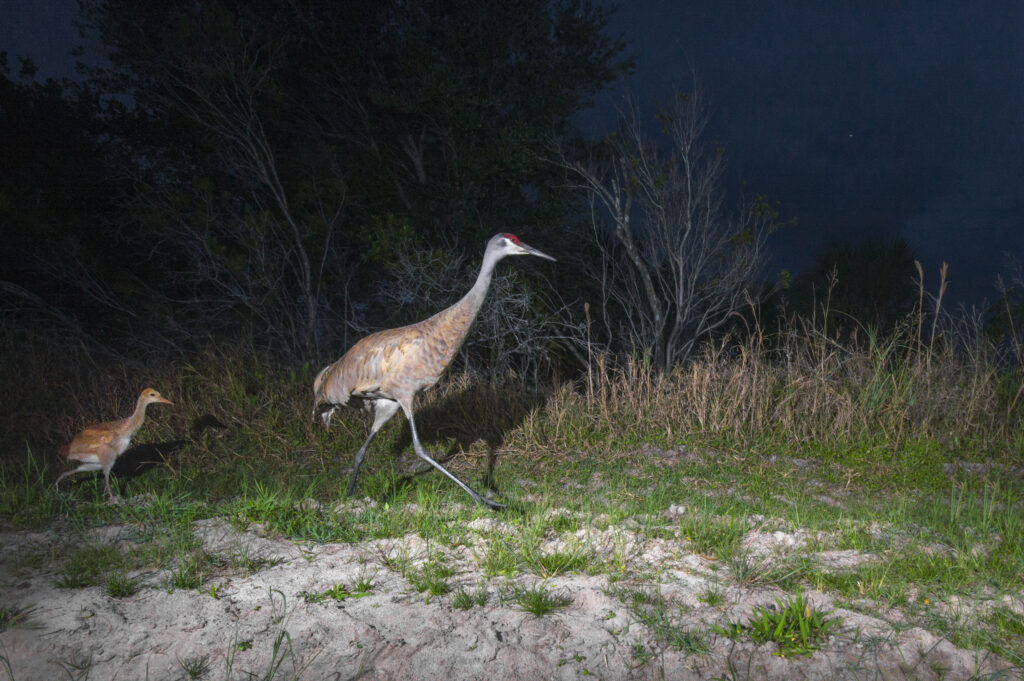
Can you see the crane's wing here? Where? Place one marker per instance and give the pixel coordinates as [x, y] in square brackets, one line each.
[94, 439]
[368, 367]
[384, 362]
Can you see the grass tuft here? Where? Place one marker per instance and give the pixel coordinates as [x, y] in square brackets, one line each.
[538, 600]
[432, 577]
[339, 592]
[89, 566]
[575, 559]
[120, 585]
[15, 618]
[195, 666]
[794, 626]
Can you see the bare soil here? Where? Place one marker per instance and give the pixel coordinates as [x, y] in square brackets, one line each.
[260, 625]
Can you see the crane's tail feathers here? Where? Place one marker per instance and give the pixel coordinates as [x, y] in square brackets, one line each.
[325, 416]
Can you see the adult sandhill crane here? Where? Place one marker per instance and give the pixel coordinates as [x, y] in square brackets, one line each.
[98, 446]
[386, 369]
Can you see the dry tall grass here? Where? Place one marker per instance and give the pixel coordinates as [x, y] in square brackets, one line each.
[804, 384]
[934, 376]
[805, 387]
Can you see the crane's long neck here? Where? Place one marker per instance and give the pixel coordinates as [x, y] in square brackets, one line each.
[134, 422]
[460, 316]
[475, 297]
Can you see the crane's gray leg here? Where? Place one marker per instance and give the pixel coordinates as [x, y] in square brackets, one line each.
[383, 410]
[84, 467]
[106, 483]
[420, 452]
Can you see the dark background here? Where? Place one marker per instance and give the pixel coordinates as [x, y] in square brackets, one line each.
[862, 120]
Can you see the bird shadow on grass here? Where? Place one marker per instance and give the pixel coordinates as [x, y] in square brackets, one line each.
[463, 417]
[142, 458]
[134, 462]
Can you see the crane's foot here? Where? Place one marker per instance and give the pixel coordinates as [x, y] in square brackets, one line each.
[491, 504]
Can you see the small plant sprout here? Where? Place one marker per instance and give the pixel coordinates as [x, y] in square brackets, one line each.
[712, 595]
[339, 592]
[13, 618]
[188, 574]
[462, 600]
[432, 578]
[363, 584]
[195, 666]
[500, 557]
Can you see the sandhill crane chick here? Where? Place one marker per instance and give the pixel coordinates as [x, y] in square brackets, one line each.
[98, 446]
[386, 369]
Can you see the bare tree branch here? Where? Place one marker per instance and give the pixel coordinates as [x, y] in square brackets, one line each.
[673, 261]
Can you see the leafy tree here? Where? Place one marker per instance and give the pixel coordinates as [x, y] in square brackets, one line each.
[286, 150]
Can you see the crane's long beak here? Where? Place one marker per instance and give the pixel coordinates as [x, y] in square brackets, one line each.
[530, 250]
[163, 400]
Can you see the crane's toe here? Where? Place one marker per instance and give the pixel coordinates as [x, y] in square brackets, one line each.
[492, 504]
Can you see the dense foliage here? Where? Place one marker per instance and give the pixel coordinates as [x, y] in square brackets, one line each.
[299, 174]
[269, 164]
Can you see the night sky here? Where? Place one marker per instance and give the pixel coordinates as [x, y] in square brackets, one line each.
[860, 119]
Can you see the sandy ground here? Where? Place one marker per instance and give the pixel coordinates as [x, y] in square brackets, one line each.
[259, 625]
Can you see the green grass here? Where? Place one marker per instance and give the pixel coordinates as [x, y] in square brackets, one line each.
[537, 600]
[688, 641]
[1003, 633]
[195, 667]
[119, 585]
[189, 572]
[339, 592]
[15, 618]
[1006, 622]
[712, 534]
[649, 607]
[793, 625]
[867, 448]
[89, 566]
[27, 495]
[464, 600]
[942, 537]
[500, 558]
[712, 595]
[432, 577]
[574, 559]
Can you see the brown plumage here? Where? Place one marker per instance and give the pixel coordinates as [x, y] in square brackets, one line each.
[386, 369]
[98, 446]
